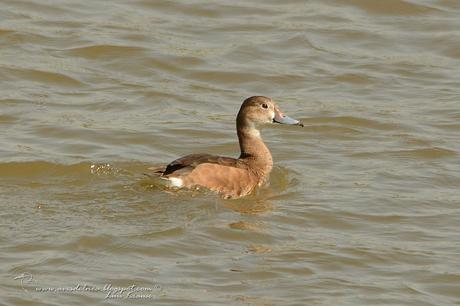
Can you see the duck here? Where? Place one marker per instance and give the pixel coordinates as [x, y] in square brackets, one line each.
[229, 177]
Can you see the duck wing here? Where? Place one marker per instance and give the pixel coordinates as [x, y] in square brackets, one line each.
[189, 162]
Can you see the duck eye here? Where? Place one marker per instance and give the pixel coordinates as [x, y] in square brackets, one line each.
[264, 105]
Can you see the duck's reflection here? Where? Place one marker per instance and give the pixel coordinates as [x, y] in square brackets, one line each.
[250, 205]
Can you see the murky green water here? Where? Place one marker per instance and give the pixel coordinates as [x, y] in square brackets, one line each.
[363, 207]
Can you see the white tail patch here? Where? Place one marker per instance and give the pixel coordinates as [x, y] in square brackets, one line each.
[175, 181]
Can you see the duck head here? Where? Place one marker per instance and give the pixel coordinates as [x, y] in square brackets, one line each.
[259, 110]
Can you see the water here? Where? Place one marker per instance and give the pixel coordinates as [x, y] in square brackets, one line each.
[363, 206]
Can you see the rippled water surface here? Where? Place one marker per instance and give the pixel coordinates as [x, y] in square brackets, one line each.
[363, 207]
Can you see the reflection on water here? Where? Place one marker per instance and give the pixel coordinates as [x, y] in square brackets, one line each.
[362, 206]
[250, 206]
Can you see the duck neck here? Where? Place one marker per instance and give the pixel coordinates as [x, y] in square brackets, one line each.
[253, 149]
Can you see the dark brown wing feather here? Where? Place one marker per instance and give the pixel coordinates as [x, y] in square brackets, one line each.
[189, 162]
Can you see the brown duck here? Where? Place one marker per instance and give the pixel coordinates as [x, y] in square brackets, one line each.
[231, 177]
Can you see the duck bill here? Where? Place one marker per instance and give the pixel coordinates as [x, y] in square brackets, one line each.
[283, 119]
